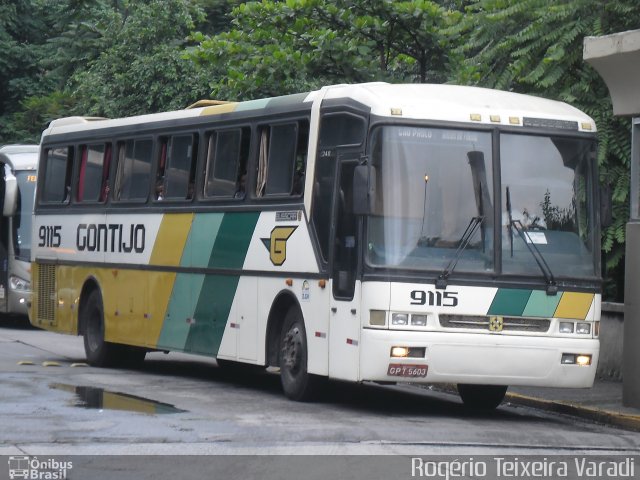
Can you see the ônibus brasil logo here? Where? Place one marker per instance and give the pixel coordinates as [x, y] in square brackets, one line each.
[31, 468]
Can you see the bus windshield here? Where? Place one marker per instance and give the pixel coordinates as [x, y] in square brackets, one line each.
[431, 185]
[22, 220]
[546, 191]
[435, 203]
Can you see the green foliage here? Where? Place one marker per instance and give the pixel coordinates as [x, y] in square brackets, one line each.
[105, 57]
[20, 34]
[556, 217]
[36, 112]
[323, 42]
[122, 80]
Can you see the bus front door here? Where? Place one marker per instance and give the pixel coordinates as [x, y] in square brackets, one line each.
[344, 322]
[5, 224]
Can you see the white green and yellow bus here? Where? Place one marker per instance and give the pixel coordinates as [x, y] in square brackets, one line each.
[17, 186]
[374, 232]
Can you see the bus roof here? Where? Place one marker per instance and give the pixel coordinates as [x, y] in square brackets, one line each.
[411, 101]
[20, 157]
[459, 104]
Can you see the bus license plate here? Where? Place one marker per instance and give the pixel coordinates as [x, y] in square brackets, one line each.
[406, 370]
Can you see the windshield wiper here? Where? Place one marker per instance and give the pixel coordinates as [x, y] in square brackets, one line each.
[443, 278]
[552, 288]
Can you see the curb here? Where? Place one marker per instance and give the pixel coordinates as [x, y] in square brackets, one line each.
[608, 417]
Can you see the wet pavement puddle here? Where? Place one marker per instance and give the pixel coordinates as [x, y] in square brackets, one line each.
[101, 399]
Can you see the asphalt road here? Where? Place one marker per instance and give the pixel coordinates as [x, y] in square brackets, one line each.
[185, 405]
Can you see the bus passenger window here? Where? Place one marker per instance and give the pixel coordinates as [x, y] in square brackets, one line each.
[300, 165]
[162, 164]
[134, 168]
[227, 155]
[57, 175]
[341, 130]
[283, 159]
[104, 186]
[175, 176]
[92, 172]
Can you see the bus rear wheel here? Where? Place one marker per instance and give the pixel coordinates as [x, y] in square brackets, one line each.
[99, 352]
[482, 397]
[298, 384]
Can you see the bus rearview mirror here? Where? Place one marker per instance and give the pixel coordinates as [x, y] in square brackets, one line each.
[10, 200]
[364, 181]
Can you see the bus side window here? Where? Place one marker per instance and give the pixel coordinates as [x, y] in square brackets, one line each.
[336, 130]
[282, 159]
[227, 154]
[134, 168]
[342, 130]
[90, 178]
[178, 172]
[57, 175]
[162, 165]
[106, 165]
[300, 165]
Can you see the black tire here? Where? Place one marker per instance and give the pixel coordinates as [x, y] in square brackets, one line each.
[297, 383]
[99, 353]
[482, 397]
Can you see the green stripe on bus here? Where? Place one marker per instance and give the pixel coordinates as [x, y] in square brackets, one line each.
[232, 242]
[509, 302]
[187, 287]
[541, 305]
[252, 104]
[288, 100]
[211, 314]
[204, 231]
[199, 307]
[181, 310]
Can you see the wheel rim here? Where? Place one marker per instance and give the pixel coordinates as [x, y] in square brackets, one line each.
[292, 349]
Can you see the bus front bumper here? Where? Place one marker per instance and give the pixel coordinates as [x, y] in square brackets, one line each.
[490, 359]
[19, 302]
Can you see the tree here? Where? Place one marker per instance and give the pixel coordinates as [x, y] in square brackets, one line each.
[535, 47]
[21, 34]
[98, 57]
[140, 68]
[323, 42]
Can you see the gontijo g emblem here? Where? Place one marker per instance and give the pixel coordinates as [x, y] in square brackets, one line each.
[277, 244]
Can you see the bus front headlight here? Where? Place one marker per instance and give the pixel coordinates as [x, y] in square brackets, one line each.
[19, 284]
[399, 319]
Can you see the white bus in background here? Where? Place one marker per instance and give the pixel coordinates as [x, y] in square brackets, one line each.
[18, 166]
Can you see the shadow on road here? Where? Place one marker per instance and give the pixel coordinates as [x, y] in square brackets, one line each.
[388, 401]
[16, 322]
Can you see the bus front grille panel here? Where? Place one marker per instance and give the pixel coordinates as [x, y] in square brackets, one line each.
[46, 292]
[511, 324]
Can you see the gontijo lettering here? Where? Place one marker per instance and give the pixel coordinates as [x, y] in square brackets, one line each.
[112, 237]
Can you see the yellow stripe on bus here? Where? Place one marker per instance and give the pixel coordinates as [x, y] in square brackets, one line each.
[171, 239]
[574, 305]
[218, 109]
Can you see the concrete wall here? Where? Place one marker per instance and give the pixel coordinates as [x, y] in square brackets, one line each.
[611, 335]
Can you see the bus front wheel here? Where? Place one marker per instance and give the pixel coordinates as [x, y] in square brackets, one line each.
[99, 352]
[482, 397]
[298, 384]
